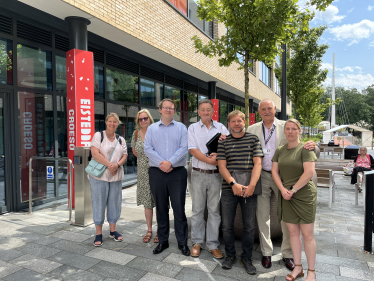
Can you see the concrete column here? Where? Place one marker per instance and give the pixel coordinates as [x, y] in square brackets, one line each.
[212, 90]
[78, 33]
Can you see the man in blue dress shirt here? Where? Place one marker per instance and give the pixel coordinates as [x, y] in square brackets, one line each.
[166, 147]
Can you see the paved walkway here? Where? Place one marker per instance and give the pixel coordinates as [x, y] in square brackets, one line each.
[44, 246]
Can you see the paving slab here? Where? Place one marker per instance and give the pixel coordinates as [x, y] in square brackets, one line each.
[36, 264]
[71, 236]
[188, 274]
[74, 260]
[29, 275]
[71, 246]
[155, 277]
[38, 250]
[190, 262]
[110, 256]
[8, 268]
[117, 271]
[67, 273]
[160, 268]
[145, 252]
[9, 254]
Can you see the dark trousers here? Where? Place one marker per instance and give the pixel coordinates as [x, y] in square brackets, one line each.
[229, 203]
[355, 171]
[170, 185]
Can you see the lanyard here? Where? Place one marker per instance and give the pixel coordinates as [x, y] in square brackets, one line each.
[271, 133]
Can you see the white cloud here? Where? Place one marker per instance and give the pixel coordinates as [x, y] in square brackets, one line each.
[363, 29]
[371, 44]
[351, 10]
[354, 41]
[359, 81]
[330, 15]
[344, 69]
[370, 8]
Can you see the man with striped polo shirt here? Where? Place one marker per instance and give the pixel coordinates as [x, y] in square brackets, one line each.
[206, 182]
[240, 151]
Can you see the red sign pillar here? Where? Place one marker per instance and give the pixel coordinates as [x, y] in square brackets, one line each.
[252, 118]
[215, 116]
[80, 102]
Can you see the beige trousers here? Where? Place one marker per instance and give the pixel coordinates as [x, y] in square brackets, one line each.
[263, 218]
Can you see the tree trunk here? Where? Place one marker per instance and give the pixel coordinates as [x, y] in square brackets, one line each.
[246, 86]
[295, 107]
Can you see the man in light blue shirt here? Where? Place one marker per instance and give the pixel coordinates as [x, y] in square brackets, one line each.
[166, 147]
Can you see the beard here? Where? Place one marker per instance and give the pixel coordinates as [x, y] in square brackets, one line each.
[237, 132]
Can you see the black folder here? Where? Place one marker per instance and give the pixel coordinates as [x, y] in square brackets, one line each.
[212, 144]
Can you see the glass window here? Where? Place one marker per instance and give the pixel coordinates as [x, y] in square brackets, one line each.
[277, 86]
[223, 120]
[181, 5]
[205, 26]
[99, 81]
[121, 86]
[62, 127]
[265, 74]
[189, 102]
[223, 109]
[61, 74]
[237, 107]
[230, 108]
[36, 129]
[150, 92]
[99, 116]
[173, 94]
[34, 67]
[6, 62]
[202, 97]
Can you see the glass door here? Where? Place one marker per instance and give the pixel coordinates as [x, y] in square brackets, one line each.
[3, 192]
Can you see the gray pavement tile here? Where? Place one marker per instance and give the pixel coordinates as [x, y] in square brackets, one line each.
[136, 250]
[356, 273]
[66, 272]
[74, 247]
[11, 242]
[74, 260]
[342, 278]
[71, 236]
[117, 271]
[353, 252]
[194, 263]
[9, 254]
[240, 274]
[110, 256]
[188, 274]
[108, 243]
[36, 264]
[8, 268]
[29, 275]
[41, 229]
[37, 250]
[350, 263]
[154, 277]
[161, 268]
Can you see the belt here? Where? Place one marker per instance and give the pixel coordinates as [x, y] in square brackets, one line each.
[206, 171]
[267, 171]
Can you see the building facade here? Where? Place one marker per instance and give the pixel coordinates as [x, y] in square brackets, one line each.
[143, 53]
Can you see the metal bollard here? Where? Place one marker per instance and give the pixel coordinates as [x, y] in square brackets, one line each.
[369, 212]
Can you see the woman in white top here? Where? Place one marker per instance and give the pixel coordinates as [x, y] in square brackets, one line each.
[107, 190]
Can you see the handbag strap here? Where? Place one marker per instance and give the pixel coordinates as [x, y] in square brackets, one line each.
[114, 149]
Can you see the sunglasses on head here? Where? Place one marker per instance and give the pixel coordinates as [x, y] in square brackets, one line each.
[143, 119]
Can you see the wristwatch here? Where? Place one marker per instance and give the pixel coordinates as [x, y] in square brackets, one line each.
[293, 190]
[118, 166]
[232, 183]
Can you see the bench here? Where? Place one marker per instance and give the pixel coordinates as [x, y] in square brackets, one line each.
[325, 180]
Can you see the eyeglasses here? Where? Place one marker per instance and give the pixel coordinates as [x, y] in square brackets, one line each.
[145, 119]
[168, 108]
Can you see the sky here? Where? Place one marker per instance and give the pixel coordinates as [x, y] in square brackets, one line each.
[350, 35]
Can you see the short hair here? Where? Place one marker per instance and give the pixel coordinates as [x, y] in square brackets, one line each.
[265, 100]
[235, 113]
[292, 120]
[137, 124]
[169, 100]
[205, 101]
[363, 147]
[114, 115]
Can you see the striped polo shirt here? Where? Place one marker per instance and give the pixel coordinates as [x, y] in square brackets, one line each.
[239, 153]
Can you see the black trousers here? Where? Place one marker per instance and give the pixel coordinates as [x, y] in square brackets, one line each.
[171, 185]
[355, 171]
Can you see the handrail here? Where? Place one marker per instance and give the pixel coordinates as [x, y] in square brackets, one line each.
[69, 175]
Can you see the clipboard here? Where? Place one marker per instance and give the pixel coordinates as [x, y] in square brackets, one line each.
[212, 144]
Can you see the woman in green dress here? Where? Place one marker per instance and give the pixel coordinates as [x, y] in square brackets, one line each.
[143, 192]
[293, 168]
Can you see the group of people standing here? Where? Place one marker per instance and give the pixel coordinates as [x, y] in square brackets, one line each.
[269, 150]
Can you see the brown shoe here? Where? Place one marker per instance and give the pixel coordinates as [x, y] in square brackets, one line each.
[216, 253]
[195, 251]
[266, 261]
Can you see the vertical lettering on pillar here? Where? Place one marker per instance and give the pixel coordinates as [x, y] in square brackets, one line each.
[41, 167]
[215, 116]
[252, 118]
[80, 100]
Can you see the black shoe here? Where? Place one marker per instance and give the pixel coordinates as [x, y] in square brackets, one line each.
[185, 250]
[289, 263]
[228, 262]
[160, 248]
[248, 266]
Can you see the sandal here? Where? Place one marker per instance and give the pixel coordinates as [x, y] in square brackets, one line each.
[156, 239]
[147, 237]
[115, 235]
[98, 238]
[313, 270]
[301, 274]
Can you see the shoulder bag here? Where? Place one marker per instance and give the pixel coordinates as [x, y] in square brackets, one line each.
[97, 169]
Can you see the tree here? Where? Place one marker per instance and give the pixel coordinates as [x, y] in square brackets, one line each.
[254, 31]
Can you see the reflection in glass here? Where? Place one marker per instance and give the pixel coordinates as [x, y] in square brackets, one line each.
[36, 131]
[223, 120]
[6, 62]
[155, 113]
[99, 81]
[173, 94]
[223, 108]
[150, 92]
[181, 5]
[190, 102]
[127, 115]
[99, 116]
[2, 167]
[61, 74]
[202, 97]
[205, 26]
[62, 127]
[34, 67]
[121, 86]
[230, 108]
